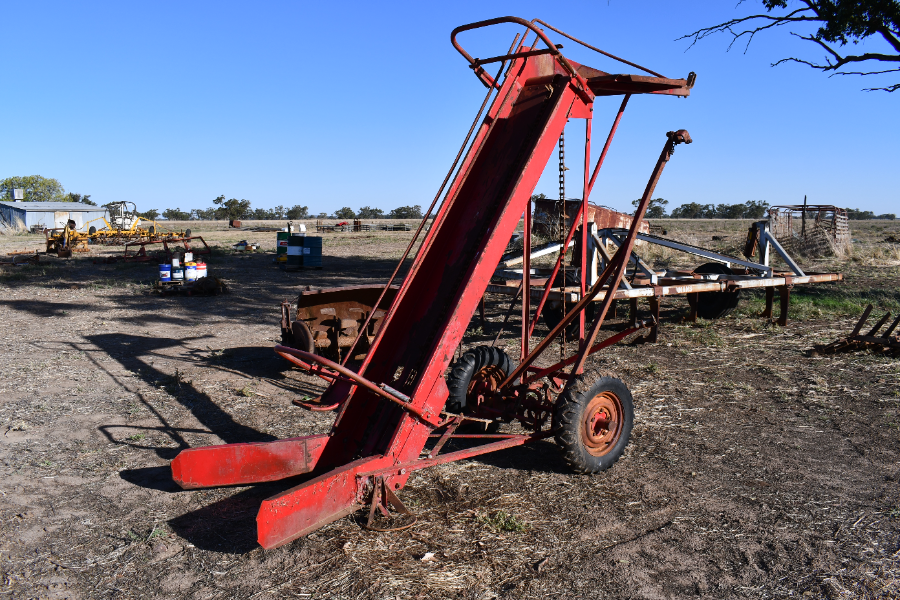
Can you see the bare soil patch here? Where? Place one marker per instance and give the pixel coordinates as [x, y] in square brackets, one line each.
[753, 470]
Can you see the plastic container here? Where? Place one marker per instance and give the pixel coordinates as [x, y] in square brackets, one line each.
[201, 270]
[190, 271]
[281, 245]
[177, 274]
[175, 262]
[294, 253]
[165, 272]
[188, 257]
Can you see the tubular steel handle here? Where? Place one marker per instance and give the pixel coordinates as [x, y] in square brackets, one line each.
[519, 21]
[496, 21]
[356, 378]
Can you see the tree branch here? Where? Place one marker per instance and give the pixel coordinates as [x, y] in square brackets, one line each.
[729, 25]
[890, 88]
[890, 37]
[867, 73]
[832, 16]
[840, 61]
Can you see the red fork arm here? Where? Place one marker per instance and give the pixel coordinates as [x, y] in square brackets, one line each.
[325, 499]
[242, 464]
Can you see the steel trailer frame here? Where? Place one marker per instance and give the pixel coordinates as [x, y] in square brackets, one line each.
[392, 404]
[654, 285]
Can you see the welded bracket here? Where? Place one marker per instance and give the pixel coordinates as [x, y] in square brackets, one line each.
[641, 265]
[383, 498]
[765, 239]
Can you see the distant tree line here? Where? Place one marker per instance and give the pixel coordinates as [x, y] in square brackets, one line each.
[234, 209]
[44, 189]
[367, 212]
[752, 209]
[854, 214]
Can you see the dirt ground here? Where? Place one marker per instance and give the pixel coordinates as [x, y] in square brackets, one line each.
[754, 471]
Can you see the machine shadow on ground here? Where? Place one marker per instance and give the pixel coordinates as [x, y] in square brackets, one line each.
[132, 352]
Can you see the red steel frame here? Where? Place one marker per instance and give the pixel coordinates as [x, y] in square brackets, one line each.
[394, 402]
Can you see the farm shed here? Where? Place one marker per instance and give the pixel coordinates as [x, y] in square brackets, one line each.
[25, 216]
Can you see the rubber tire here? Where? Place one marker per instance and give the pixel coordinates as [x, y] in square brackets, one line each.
[92, 230]
[462, 371]
[553, 315]
[569, 416]
[152, 230]
[187, 233]
[715, 305]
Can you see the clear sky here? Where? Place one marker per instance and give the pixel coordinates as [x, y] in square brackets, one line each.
[331, 104]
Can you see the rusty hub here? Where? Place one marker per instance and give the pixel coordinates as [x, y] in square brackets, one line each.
[484, 385]
[602, 423]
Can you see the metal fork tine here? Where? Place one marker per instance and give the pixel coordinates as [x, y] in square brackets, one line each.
[862, 321]
[879, 324]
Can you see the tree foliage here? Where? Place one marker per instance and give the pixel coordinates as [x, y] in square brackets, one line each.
[297, 212]
[150, 214]
[367, 212]
[231, 209]
[752, 209]
[84, 199]
[406, 212]
[37, 189]
[839, 22]
[656, 209]
[344, 213]
[855, 214]
[176, 214]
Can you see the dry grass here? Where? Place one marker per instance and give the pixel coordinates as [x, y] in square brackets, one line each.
[753, 471]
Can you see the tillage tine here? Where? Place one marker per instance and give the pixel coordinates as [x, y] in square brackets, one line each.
[878, 325]
[862, 321]
[890, 330]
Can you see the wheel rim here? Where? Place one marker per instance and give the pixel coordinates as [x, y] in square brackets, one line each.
[485, 382]
[602, 424]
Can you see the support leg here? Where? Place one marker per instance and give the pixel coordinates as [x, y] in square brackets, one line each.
[654, 310]
[383, 499]
[633, 313]
[785, 298]
[692, 302]
[770, 300]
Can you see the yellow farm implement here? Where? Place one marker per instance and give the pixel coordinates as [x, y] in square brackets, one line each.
[121, 225]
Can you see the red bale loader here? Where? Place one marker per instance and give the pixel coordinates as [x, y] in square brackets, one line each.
[398, 398]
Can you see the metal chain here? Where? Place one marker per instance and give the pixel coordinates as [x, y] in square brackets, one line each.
[562, 167]
[563, 227]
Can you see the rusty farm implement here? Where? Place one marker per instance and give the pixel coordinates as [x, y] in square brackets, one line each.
[408, 392]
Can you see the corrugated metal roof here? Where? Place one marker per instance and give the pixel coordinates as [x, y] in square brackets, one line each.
[48, 206]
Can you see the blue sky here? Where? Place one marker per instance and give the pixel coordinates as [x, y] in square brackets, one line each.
[349, 104]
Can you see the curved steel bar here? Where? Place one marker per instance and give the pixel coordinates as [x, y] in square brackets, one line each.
[519, 21]
[603, 52]
[489, 22]
[315, 370]
[354, 377]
